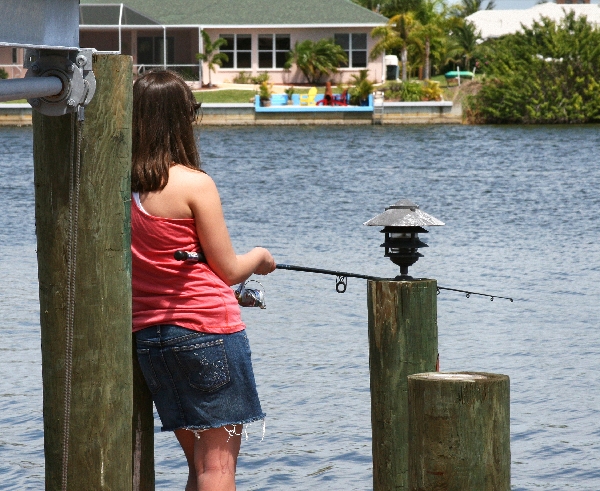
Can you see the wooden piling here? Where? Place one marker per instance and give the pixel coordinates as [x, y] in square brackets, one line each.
[143, 430]
[98, 425]
[459, 432]
[402, 341]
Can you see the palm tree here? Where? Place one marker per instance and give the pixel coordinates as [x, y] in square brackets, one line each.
[468, 7]
[397, 35]
[464, 43]
[316, 59]
[431, 16]
[389, 8]
[211, 55]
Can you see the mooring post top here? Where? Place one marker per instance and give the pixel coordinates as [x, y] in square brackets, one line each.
[457, 376]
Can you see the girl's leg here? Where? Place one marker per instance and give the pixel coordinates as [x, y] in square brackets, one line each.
[186, 440]
[215, 458]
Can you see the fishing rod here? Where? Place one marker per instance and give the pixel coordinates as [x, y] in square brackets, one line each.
[341, 276]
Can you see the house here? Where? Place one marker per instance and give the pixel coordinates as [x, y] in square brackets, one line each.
[496, 23]
[259, 34]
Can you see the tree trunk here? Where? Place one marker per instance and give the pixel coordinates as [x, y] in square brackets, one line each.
[404, 59]
[427, 73]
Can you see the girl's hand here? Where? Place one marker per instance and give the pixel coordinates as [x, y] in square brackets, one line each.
[267, 263]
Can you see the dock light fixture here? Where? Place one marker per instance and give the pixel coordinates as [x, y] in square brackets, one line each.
[402, 223]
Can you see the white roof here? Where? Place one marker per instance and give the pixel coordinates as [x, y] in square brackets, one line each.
[496, 23]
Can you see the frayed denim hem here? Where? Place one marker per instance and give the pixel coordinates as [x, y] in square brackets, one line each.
[197, 430]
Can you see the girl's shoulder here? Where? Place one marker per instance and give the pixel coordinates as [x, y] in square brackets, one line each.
[193, 187]
[185, 177]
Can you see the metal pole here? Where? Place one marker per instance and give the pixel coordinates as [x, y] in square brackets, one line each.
[120, 33]
[29, 88]
[200, 50]
[165, 47]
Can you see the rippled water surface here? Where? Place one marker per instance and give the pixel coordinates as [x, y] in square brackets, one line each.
[521, 208]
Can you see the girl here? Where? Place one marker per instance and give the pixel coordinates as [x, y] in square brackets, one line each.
[190, 338]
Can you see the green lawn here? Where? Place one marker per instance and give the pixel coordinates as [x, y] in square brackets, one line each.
[241, 95]
[229, 95]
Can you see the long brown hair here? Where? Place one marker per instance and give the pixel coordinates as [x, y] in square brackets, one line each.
[164, 109]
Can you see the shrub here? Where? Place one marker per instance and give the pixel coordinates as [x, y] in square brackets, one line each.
[264, 91]
[546, 74]
[431, 91]
[242, 78]
[404, 91]
[3, 74]
[362, 88]
[260, 78]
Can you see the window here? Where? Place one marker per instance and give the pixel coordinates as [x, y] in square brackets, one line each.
[355, 46]
[238, 49]
[15, 57]
[273, 50]
[150, 50]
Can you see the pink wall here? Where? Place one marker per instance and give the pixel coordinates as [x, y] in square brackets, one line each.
[186, 47]
[6, 62]
[279, 76]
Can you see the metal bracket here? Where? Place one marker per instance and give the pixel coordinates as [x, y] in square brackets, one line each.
[72, 68]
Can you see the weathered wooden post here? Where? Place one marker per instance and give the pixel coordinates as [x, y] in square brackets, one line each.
[91, 422]
[459, 432]
[143, 430]
[402, 341]
[82, 196]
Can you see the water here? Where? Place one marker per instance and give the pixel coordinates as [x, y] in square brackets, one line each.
[521, 211]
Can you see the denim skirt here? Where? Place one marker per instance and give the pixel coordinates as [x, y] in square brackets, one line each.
[198, 380]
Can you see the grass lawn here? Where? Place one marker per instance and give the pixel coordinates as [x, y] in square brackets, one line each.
[228, 95]
[240, 95]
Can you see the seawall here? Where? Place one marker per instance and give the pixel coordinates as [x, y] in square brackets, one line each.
[226, 114]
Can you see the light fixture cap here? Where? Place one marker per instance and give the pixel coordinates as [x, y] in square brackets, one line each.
[403, 213]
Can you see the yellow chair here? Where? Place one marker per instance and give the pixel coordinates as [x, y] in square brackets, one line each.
[309, 99]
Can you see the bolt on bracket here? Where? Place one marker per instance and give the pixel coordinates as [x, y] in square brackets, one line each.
[72, 68]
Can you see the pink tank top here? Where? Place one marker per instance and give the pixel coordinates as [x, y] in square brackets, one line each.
[167, 291]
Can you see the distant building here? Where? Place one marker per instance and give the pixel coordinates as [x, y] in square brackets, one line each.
[259, 34]
[571, 1]
[496, 23]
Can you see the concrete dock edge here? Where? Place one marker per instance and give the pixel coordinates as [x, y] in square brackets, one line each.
[244, 114]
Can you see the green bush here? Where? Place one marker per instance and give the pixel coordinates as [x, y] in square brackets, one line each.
[260, 78]
[3, 74]
[547, 74]
[361, 89]
[431, 91]
[242, 78]
[403, 91]
[245, 78]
